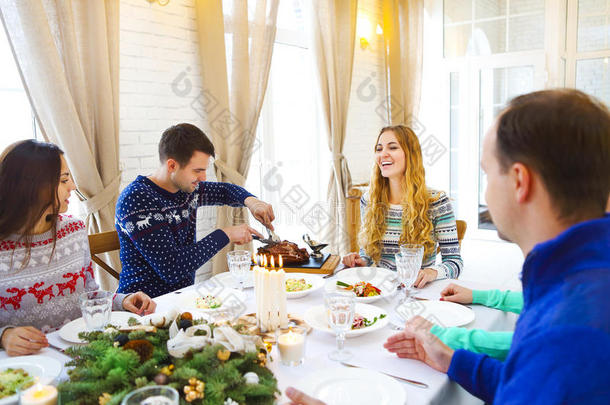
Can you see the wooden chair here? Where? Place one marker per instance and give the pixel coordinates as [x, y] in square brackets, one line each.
[101, 243]
[352, 214]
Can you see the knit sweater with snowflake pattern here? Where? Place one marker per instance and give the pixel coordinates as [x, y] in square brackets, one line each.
[159, 252]
[44, 293]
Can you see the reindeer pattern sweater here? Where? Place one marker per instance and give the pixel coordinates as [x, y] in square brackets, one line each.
[156, 229]
[44, 293]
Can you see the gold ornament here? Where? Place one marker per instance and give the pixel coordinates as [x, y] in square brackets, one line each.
[168, 370]
[194, 389]
[223, 355]
[104, 398]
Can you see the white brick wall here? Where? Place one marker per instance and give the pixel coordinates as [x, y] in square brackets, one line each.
[157, 44]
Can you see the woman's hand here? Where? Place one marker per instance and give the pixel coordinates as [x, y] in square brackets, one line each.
[353, 260]
[457, 293]
[300, 398]
[424, 277]
[23, 340]
[139, 303]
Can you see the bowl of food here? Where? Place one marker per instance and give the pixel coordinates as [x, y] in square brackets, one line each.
[301, 284]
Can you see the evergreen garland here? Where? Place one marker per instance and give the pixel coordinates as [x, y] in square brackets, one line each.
[102, 367]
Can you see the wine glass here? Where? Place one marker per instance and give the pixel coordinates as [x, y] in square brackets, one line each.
[408, 263]
[340, 308]
[239, 266]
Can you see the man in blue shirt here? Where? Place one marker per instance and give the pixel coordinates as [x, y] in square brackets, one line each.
[547, 161]
[156, 216]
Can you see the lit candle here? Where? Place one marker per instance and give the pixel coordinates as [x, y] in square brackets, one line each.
[39, 395]
[281, 262]
[281, 299]
[292, 348]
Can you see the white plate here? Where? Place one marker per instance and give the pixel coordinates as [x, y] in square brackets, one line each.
[227, 280]
[316, 317]
[316, 282]
[70, 331]
[381, 278]
[45, 368]
[227, 296]
[353, 386]
[442, 313]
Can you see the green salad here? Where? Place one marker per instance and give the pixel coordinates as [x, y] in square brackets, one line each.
[13, 378]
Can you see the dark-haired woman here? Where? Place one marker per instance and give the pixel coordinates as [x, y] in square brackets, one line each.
[45, 262]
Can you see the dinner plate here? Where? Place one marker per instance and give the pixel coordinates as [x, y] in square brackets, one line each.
[229, 297]
[316, 282]
[317, 318]
[381, 278]
[226, 279]
[353, 386]
[70, 331]
[442, 313]
[45, 368]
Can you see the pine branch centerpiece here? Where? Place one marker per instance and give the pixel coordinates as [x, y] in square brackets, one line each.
[206, 364]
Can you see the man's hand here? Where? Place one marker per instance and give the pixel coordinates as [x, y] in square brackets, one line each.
[299, 398]
[353, 260]
[260, 210]
[23, 340]
[457, 293]
[241, 234]
[416, 342]
[424, 277]
[139, 303]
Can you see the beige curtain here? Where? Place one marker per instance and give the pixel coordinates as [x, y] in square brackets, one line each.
[334, 31]
[232, 108]
[68, 55]
[403, 35]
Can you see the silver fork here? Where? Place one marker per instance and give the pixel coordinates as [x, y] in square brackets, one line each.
[273, 236]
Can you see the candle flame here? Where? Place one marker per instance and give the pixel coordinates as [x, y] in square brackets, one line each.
[272, 262]
[265, 261]
[281, 262]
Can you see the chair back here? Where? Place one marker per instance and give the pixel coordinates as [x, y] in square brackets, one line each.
[101, 243]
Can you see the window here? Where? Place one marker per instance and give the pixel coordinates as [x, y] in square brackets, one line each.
[16, 115]
[493, 50]
[290, 166]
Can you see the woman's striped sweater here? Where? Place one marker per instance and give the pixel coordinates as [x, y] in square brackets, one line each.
[445, 236]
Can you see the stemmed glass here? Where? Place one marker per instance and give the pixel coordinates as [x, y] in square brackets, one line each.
[340, 308]
[239, 266]
[408, 263]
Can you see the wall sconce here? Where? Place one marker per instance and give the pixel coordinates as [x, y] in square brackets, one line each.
[363, 31]
[160, 2]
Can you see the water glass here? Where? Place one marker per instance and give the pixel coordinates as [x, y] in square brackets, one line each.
[408, 264]
[239, 265]
[96, 307]
[152, 395]
[340, 309]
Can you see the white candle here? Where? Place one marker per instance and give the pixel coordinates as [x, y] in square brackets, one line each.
[266, 291]
[292, 347]
[282, 300]
[39, 395]
[274, 304]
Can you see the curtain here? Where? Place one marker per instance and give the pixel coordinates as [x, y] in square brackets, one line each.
[236, 44]
[334, 32]
[403, 37]
[68, 54]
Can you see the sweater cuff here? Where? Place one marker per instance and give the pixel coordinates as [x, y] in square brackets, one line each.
[463, 364]
[437, 330]
[117, 301]
[480, 296]
[221, 237]
[2, 330]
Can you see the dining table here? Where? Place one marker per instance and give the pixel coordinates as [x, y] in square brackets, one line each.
[367, 349]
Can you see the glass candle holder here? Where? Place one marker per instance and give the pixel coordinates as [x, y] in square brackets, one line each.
[152, 395]
[291, 345]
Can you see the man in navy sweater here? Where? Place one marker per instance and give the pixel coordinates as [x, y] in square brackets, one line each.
[155, 216]
[547, 161]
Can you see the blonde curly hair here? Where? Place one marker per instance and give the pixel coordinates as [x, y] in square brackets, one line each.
[417, 226]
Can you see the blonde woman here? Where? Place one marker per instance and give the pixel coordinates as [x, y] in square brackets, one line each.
[398, 208]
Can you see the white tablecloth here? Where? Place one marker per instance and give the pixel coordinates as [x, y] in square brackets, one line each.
[367, 349]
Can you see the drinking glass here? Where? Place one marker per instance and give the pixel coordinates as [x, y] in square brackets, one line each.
[239, 265]
[408, 264]
[96, 307]
[152, 395]
[340, 308]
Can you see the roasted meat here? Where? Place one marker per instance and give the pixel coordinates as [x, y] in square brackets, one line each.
[291, 254]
